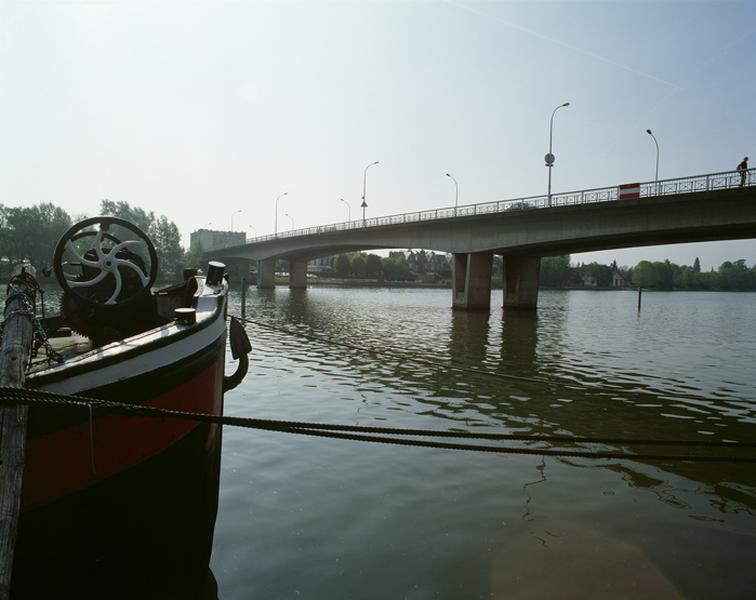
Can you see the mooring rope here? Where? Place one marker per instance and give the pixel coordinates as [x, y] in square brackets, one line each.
[360, 433]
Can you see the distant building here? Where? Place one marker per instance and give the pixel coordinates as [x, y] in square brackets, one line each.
[617, 280]
[320, 264]
[589, 281]
[212, 240]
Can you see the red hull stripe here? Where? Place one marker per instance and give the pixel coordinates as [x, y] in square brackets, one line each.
[60, 463]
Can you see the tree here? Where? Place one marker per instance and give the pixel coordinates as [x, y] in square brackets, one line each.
[372, 265]
[32, 233]
[193, 256]
[601, 274]
[696, 265]
[556, 271]
[735, 276]
[122, 210]
[167, 241]
[359, 265]
[343, 266]
[163, 232]
[396, 269]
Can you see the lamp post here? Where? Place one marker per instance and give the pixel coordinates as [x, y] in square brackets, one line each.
[549, 158]
[207, 224]
[349, 209]
[290, 219]
[656, 176]
[364, 192]
[254, 231]
[275, 226]
[456, 192]
[232, 217]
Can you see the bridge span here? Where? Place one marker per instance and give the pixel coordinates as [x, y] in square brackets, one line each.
[691, 209]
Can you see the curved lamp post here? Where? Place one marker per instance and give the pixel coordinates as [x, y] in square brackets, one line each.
[349, 209]
[656, 176]
[549, 158]
[364, 188]
[275, 226]
[290, 219]
[254, 231]
[236, 212]
[456, 192]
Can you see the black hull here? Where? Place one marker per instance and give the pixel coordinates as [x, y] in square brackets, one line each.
[145, 533]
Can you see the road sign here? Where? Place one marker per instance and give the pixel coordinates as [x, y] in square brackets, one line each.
[629, 191]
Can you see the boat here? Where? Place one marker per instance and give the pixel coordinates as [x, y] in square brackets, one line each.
[115, 505]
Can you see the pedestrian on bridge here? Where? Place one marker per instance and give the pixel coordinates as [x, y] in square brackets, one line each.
[743, 170]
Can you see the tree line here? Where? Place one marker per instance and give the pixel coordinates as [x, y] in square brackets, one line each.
[30, 234]
[557, 271]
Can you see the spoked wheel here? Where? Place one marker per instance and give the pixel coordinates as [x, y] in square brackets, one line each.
[92, 262]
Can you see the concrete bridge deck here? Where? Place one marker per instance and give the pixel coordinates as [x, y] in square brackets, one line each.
[693, 209]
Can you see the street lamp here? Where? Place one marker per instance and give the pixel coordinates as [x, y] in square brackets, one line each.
[364, 193]
[290, 219]
[349, 209]
[275, 226]
[254, 231]
[232, 217]
[549, 158]
[456, 192]
[656, 178]
[207, 224]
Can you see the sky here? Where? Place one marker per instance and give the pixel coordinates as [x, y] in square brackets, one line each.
[199, 109]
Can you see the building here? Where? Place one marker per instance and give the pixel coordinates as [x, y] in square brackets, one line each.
[211, 240]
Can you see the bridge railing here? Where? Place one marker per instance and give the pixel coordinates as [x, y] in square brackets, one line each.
[648, 189]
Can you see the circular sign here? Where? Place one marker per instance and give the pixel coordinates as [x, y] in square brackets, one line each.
[549, 158]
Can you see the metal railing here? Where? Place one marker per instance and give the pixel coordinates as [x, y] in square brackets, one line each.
[667, 187]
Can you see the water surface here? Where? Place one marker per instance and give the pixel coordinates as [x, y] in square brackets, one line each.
[318, 518]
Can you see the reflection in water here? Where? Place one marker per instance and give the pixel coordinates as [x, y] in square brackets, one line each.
[585, 366]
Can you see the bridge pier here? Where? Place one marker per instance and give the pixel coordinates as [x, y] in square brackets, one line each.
[521, 281]
[471, 281]
[266, 273]
[298, 273]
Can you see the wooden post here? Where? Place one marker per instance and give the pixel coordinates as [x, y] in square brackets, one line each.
[640, 291]
[243, 298]
[14, 356]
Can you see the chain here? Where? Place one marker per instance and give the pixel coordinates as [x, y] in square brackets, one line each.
[27, 310]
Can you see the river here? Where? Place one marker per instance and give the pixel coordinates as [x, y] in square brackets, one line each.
[304, 517]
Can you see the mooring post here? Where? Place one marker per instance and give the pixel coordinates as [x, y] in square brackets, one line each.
[15, 349]
[243, 298]
[640, 291]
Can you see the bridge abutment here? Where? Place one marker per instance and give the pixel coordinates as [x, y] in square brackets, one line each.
[266, 273]
[471, 281]
[521, 275]
[298, 274]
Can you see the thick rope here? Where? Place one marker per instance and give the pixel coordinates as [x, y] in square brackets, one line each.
[358, 433]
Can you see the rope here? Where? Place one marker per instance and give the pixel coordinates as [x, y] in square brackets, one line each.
[359, 433]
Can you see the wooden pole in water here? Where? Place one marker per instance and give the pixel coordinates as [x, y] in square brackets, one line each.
[640, 291]
[243, 298]
[15, 350]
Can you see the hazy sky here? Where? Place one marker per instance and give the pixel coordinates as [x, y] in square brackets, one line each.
[198, 109]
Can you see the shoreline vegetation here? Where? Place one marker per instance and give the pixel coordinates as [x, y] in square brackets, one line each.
[31, 233]
[446, 284]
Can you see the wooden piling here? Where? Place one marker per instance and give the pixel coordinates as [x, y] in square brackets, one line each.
[15, 350]
[243, 297]
[640, 292]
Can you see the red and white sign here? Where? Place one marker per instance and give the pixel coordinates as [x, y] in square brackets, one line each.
[628, 191]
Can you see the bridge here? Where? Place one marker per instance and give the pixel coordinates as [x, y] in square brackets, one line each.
[715, 206]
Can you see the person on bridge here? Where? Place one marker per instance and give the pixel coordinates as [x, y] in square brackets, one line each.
[743, 170]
